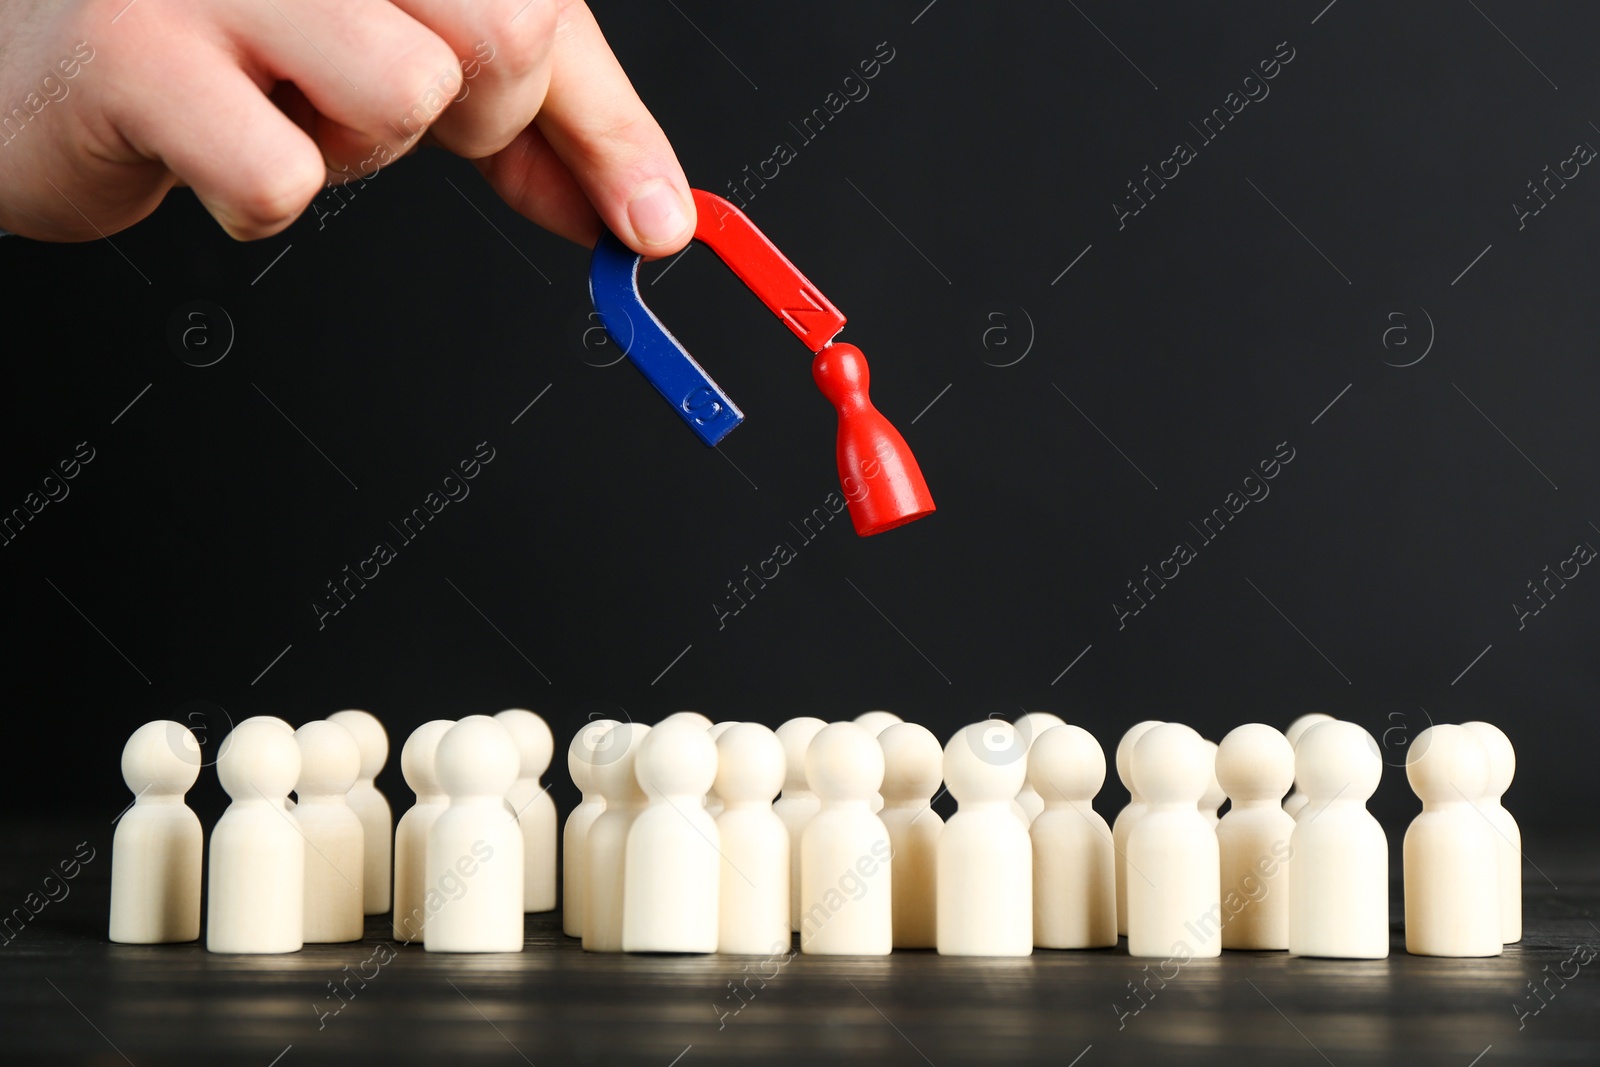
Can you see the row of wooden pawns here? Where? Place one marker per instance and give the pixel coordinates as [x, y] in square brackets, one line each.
[682, 842]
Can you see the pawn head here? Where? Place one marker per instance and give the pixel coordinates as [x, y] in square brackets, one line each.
[161, 758]
[476, 757]
[586, 750]
[1502, 757]
[844, 762]
[693, 718]
[720, 728]
[676, 759]
[258, 759]
[330, 759]
[1171, 765]
[796, 735]
[750, 764]
[1304, 723]
[1255, 762]
[417, 757]
[1033, 723]
[614, 778]
[986, 762]
[1066, 763]
[282, 724]
[913, 762]
[1447, 764]
[532, 737]
[1335, 758]
[1125, 753]
[875, 722]
[370, 736]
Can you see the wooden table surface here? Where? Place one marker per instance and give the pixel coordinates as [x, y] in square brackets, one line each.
[71, 996]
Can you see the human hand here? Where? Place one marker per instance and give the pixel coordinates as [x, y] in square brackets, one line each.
[257, 105]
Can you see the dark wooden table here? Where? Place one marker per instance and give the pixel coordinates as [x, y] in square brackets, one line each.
[71, 996]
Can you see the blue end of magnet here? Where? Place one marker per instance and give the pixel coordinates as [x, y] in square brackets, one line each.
[665, 363]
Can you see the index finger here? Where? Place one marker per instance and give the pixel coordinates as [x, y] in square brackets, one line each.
[615, 149]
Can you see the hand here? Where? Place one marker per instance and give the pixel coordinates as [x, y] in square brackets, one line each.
[258, 104]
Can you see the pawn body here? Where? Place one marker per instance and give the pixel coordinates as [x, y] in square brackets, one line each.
[1129, 816]
[753, 904]
[582, 754]
[371, 807]
[1074, 866]
[330, 760]
[913, 763]
[1174, 870]
[672, 868]
[1339, 876]
[1508, 836]
[797, 804]
[1452, 877]
[536, 812]
[846, 888]
[1255, 767]
[474, 852]
[256, 876]
[411, 898]
[156, 852]
[608, 838]
[985, 856]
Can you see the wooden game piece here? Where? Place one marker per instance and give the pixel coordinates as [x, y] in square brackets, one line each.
[846, 888]
[1296, 801]
[607, 841]
[377, 822]
[672, 867]
[1255, 766]
[713, 803]
[1174, 879]
[156, 851]
[536, 812]
[411, 832]
[1214, 795]
[797, 803]
[256, 876]
[1451, 866]
[913, 767]
[1508, 836]
[1128, 816]
[1339, 874]
[1074, 864]
[985, 894]
[1032, 724]
[474, 851]
[330, 760]
[582, 754]
[754, 889]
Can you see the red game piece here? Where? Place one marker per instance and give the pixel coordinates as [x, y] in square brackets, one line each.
[880, 476]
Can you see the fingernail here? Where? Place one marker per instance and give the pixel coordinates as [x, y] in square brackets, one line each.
[657, 215]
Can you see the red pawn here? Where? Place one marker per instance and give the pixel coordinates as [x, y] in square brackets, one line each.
[879, 475]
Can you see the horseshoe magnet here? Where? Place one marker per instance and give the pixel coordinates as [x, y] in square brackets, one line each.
[879, 475]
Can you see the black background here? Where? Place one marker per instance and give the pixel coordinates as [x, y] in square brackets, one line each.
[401, 332]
